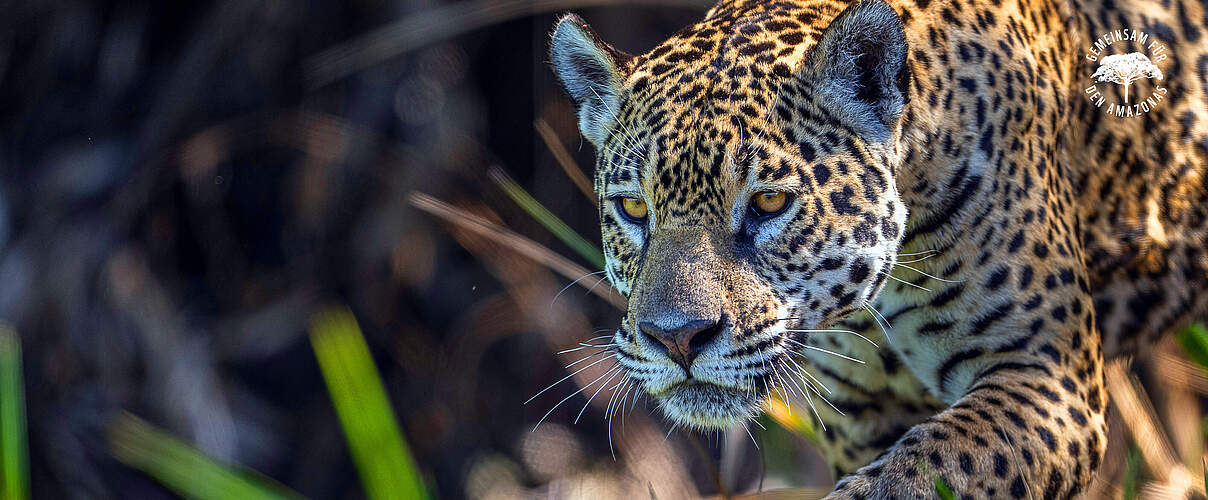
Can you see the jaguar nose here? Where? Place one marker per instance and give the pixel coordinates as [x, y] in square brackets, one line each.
[683, 342]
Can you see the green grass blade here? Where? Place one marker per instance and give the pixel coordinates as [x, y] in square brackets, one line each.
[1132, 473]
[547, 218]
[14, 456]
[185, 470]
[1194, 341]
[377, 446]
[942, 489]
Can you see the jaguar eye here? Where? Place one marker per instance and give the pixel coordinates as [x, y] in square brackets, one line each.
[633, 209]
[766, 203]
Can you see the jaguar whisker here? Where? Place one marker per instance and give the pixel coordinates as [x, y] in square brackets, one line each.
[593, 287]
[585, 358]
[819, 393]
[598, 390]
[874, 344]
[937, 278]
[752, 436]
[581, 389]
[610, 410]
[833, 353]
[585, 346]
[876, 316]
[809, 400]
[920, 259]
[803, 370]
[617, 119]
[904, 282]
[567, 287]
[908, 254]
[563, 379]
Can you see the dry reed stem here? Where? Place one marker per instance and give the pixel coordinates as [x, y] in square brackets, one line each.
[1180, 406]
[1139, 417]
[562, 155]
[1181, 373]
[517, 243]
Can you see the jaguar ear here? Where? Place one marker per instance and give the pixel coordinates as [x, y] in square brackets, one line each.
[590, 70]
[860, 65]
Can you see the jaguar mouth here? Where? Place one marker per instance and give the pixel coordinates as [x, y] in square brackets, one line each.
[702, 405]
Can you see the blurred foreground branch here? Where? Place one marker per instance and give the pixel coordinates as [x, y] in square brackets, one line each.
[441, 23]
[564, 159]
[516, 242]
[1173, 479]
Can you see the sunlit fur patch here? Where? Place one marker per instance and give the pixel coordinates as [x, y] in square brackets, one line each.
[701, 405]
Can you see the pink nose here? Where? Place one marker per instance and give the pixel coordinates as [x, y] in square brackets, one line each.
[683, 342]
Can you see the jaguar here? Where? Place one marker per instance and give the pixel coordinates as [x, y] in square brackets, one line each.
[907, 215]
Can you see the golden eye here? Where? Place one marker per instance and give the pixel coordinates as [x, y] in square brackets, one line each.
[769, 202]
[633, 208]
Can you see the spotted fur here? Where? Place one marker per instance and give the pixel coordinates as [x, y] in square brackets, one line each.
[1043, 236]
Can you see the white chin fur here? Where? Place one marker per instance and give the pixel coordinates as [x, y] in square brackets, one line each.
[707, 406]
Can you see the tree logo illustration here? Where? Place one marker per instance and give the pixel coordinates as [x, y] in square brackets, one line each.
[1124, 57]
[1124, 69]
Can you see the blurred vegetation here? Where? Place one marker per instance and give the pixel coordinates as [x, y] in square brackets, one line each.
[13, 454]
[378, 448]
[1194, 341]
[799, 423]
[183, 469]
[547, 219]
[942, 490]
[185, 186]
[1132, 474]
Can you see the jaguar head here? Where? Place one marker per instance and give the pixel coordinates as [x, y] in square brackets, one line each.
[745, 176]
